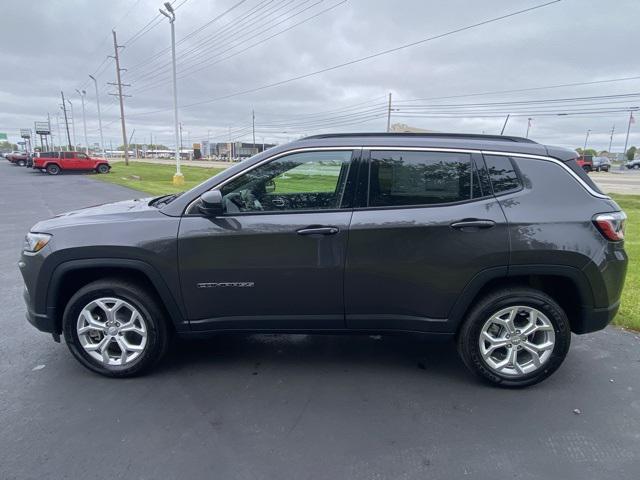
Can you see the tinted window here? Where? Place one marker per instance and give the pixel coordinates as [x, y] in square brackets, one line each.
[503, 174]
[68, 155]
[301, 181]
[421, 178]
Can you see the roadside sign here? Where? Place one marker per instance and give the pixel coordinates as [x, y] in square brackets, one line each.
[3, 136]
[42, 128]
[25, 132]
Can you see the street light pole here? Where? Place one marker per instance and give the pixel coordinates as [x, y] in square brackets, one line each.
[73, 124]
[95, 82]
[82, 93]
[178, 178]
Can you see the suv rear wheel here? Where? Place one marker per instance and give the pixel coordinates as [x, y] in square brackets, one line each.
[515, 337]
[53, 169]
[115, 328]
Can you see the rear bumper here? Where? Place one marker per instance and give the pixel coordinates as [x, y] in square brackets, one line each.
[594, 319]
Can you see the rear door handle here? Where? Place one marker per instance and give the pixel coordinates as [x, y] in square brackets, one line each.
[477, 224]
[319, 230]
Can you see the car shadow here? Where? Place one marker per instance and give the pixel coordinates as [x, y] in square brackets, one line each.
[403, 353]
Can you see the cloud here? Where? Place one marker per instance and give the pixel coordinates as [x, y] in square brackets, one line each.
[54, 45]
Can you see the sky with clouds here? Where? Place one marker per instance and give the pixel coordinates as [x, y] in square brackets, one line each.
[228, 49]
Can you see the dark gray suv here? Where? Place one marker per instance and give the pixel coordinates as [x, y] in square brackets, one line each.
[500, 243]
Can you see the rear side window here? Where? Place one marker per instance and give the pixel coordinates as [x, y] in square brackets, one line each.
[399, 178]
[503, 174]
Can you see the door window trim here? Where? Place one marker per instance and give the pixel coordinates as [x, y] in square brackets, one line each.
[354, 161]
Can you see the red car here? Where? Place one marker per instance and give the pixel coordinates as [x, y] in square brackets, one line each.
[586, 162]
[54, 162]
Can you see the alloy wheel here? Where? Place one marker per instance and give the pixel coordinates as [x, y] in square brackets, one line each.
[112, 331]
[517, 341]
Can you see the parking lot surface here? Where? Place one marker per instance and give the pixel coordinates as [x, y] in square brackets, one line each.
[626, 182]
[295, 407]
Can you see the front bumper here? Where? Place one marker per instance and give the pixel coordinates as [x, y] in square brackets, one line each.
[41, 321]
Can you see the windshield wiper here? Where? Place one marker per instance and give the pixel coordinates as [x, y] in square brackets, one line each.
[164, 200]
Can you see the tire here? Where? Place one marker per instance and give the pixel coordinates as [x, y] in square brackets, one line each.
[53, 169]
[103, 168]
[557, 326]
[151, 319]
[21, 163]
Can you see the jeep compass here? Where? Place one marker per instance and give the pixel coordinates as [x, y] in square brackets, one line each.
[499, 243]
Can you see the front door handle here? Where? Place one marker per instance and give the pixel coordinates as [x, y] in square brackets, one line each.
[473, 223]
[318, 230]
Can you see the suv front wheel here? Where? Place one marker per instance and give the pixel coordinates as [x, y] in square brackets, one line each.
[115, 328]
[515, 337]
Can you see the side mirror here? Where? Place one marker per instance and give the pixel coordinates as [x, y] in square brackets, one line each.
[211, 205]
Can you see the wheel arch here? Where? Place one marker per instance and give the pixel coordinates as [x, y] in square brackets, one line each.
[566, 285]
[69, 276]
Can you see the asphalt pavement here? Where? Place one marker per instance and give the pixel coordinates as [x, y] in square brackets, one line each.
[295, 407]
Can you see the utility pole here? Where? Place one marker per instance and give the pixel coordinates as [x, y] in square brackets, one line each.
[253, 124]
[120, 96]
[389, 114]
[586, 138]
[626, 141]
[59, 136]
[506, 120]
[178, 178]
[528, 127]
[95, 83]
[66, 120]
[613, 129]
[82, 93]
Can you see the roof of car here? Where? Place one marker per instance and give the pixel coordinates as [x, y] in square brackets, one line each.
[499, 143]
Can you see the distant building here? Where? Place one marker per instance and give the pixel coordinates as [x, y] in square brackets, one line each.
[404, 128]
[238, 149]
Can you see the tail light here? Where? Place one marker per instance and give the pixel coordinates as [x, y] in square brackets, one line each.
[611, 225]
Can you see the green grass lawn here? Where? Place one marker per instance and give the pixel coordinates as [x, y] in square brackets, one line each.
[629, 314]
[157, 180]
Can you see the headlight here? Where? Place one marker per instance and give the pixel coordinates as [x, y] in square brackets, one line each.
[34, 242]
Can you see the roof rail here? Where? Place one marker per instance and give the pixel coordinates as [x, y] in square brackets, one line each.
[471, 136]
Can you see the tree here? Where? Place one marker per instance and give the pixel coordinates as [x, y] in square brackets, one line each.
[588, 151]
[4, 145]
[631, 152]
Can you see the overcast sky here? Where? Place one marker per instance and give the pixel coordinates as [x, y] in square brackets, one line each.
[54, 45]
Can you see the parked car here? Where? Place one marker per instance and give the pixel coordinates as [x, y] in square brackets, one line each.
[19, 158]
[55, 162]
[633, 164]
[499, 243]
[601, 164]
[7, 154]
[585, 162]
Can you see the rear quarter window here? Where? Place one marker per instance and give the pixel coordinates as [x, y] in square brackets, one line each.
[584, 176]
[503, 174]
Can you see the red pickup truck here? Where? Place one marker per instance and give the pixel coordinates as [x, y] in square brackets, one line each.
[54, 162]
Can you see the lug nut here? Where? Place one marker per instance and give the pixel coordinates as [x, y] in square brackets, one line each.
[509, 345]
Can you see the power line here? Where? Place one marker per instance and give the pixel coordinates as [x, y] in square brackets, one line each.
[204, 64]
[361, 59]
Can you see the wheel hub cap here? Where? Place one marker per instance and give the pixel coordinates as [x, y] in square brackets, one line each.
[516, 341]
[112, 331]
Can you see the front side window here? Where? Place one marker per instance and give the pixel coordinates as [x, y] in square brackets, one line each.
[421, 178]
[300, 181]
